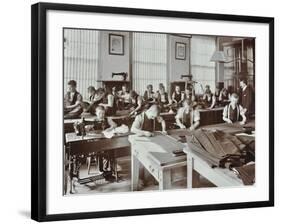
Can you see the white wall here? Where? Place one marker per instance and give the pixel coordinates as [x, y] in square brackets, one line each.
[112, 63]
[177, 67]
[15, 133]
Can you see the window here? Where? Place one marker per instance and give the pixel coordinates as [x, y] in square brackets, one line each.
[202, 69]
[149, 60]
[81, 58]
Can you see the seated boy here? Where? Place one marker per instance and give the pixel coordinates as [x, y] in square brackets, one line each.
[100, 124]
[89, 105]
[233, 112]
[143, 124]
[72, 101]
[188, 116]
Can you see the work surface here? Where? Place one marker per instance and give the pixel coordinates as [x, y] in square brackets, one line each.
[159, 148]
[207, 116]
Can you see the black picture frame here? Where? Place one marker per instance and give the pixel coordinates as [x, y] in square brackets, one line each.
[39, 105]
[180, 54]
[119, 41]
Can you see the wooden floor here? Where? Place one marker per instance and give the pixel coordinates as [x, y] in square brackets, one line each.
[124, 184]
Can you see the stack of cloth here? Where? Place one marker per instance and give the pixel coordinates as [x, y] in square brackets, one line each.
[220, 149]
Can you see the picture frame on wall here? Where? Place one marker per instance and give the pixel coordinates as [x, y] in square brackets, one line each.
[180, 51]
[116, 44]
[76, 40]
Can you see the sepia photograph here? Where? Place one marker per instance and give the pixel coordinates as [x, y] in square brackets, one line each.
[146, 111]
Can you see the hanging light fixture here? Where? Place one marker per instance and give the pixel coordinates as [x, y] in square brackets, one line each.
[218, 56]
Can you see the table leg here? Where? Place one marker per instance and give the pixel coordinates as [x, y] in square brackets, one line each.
[192, 175]
[135, 169]
[165, 181]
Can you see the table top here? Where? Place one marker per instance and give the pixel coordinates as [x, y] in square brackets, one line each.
[72, 137]
[159, 148]
[219, 176]
[122, 115]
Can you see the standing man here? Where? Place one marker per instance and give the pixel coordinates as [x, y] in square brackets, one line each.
[247, 98]
[72, 101]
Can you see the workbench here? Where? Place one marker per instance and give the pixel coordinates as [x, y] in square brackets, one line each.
[93, 143]
[155, 154]
[197, 165]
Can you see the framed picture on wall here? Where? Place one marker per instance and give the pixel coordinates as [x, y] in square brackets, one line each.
[93, 157]
[180, 51]
[116, 44]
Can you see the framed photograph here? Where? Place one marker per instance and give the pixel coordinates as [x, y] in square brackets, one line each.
[116, 44]
[180, 51]
[104, 146]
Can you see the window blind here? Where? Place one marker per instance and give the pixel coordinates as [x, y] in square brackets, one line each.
[202, 69]
[81, 58]
[149, 61]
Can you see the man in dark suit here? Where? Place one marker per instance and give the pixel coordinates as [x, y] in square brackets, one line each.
[247, 98]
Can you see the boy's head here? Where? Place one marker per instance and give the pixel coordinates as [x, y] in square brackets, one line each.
[100, 112]
[187, 103]
[133, 94]
[188, 91]
[153, 112]
[149, 87]
[124, 88]
[177, 89]
[91, 90]
[71, 85]
[234, 98]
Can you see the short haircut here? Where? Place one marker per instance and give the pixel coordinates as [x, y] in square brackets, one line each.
[100, 108]
[207, 86]
[133, 93]
[149, 86]
[155, 107]
[187, 101]
[72, 83]
[244, 81]
[91, 88]
[235, 95]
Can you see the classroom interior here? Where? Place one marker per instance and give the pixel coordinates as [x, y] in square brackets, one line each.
[166, 73]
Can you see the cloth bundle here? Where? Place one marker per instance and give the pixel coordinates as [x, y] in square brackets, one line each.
[219, 149]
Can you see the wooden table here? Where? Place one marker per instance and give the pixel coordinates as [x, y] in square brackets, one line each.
[196, 165]
[78, 145]
[155, 154]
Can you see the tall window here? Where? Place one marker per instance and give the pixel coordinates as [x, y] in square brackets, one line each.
[81, 58]
[202, 69]
[149, 60]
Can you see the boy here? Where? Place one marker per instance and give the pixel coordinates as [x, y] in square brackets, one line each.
[72, 101]
[177, 96]
[233, 111]
[188, 116]
[149, 95]
[209, 98]
[143, 124]
[100, 124]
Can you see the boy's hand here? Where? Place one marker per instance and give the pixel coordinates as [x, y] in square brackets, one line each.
[182, 126]
[242, 122]
[147, 134]
[192, 128]
[229, 121]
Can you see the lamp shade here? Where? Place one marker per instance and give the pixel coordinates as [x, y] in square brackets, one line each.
[218, 56]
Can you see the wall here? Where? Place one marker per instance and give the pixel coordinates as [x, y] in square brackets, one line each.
[112, 63]
[15, 74]
[177, 67]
